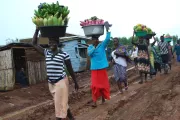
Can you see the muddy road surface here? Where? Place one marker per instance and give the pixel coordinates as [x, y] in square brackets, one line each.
[157, 99]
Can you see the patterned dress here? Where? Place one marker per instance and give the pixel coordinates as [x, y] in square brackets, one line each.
[170, 53]
[157, 60]
[120, 65]
[143, 58]
[151, 59]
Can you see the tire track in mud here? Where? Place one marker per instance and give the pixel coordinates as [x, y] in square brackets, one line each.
[87, 107]
[78, 101]
[155, 103]
[161, 107]
[101, 112]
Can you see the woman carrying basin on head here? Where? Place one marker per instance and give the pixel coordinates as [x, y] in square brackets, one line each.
[143, 58]
[99, 77]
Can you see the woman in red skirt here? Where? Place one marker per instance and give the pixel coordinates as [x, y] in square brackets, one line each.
[99, 77]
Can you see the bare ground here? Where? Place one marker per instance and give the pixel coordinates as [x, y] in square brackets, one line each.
[158, 99]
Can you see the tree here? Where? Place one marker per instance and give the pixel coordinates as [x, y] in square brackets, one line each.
[110, 45]
[123, 40]
[8, 41]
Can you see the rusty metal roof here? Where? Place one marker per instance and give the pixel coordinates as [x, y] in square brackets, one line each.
[11, 45]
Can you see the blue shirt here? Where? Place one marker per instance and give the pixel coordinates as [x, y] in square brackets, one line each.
[98, 54]
[177, 49]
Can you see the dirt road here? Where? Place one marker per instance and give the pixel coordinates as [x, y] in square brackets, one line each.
[158, 99]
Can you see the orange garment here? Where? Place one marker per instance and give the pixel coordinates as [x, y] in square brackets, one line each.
[100, 84]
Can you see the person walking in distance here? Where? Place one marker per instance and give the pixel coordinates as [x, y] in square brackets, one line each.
[151, 56]
[163, 47]
[135, 56]
[56, 60]
[99, 77]
[177, 50]
[157, 60]
[170, 53]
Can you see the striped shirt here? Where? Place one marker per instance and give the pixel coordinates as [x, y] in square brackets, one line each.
[55, 65]
[163, 47]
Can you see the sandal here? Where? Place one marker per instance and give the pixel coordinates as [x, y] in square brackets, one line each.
[126, 88]
[140, 82]
[94, 106]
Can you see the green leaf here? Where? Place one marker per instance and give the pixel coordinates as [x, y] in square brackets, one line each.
[36, 13]
[57, 3]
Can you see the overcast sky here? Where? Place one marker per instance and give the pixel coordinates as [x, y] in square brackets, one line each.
[162, 16]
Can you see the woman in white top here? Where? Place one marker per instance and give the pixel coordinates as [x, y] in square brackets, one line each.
[120, 58]
[135, 55]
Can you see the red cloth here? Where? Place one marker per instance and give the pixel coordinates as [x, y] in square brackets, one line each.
[100, 84]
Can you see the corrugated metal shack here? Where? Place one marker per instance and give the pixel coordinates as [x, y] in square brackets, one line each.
[15, 56]
[76, 47]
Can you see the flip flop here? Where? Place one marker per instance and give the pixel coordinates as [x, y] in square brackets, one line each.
[94, 106]
[126, 88]
[120, 92]
[140, 82]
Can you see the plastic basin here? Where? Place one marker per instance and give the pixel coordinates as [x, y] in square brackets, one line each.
[149, 36]
[168, 39]
[93, 30]
[140, 33]
[53, 31]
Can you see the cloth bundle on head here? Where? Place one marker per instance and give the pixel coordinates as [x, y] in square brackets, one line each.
[121, 50]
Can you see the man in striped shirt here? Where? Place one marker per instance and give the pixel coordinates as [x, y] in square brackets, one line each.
[56, 60]
[163, 47]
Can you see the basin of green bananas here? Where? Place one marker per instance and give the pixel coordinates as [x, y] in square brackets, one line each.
[52, 19]
[149, 34]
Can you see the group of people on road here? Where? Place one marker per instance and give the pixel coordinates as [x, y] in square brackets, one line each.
[147, 61]
[150, 60]
[57, 60]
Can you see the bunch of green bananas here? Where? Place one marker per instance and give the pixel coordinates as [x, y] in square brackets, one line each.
[51, 15]
[50, 21]
[149, 31]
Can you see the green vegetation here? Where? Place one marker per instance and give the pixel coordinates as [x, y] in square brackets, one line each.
[127, 41]
[123, 41]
